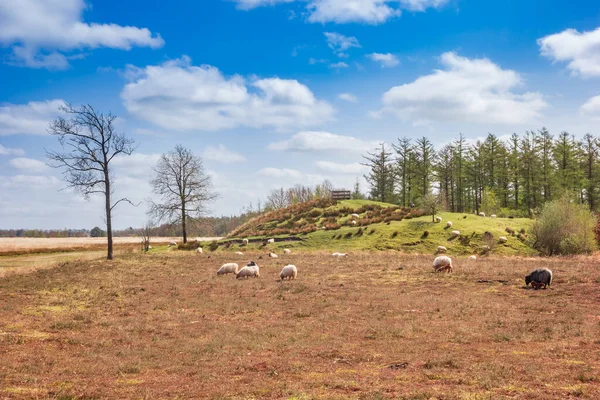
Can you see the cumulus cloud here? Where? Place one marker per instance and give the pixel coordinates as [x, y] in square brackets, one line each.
[31, 118]
[280, 173]
[349, 97]
[591, 107]
[40, 31]
[337, 168]
[179, 96]
[339, 65]
[580, 50]
[386, 60]
[340, 43]
[347, 11]
[28, 164]
[466, 90]
[223, 155]
[7, 151]
[322, 142]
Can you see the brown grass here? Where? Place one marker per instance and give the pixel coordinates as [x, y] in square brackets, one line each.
[371, 326]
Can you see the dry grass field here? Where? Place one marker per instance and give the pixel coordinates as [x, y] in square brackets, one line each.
[372, 326]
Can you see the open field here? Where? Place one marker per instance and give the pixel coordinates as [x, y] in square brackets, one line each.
[372, 326]
[16, 246]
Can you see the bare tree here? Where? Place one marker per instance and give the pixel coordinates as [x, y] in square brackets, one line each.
[89, 143]
[183, 186]
[278, 198]
[146, 234]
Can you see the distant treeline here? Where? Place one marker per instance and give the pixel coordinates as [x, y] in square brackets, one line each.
[516, 176]
[41, 233]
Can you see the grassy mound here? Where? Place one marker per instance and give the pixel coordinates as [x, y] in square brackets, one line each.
[325, 225]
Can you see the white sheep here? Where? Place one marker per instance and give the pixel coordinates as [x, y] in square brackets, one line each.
[172, 243]
[272, 255]
[199, 250]
[472, 257]
[449, 224]
[502, 239]
[455, 233]
[229, 268]
[355, 216]
[289, 271]
[493, 216]
[353, 222]
[339, 254]
[271, 241]
[481, 214]
[442, 263]
[438, 219]
[245, 241]
[239, 253]
[249, 270]
[442, 249]
[486, 247]
[287, 251]
[149, 247]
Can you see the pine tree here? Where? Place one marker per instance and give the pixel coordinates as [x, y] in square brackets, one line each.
[404, 156]
[381, 176]
[590, 152]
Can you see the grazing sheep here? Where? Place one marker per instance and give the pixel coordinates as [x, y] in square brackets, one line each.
[272, 255]
[355, 216]
[239, 253]
[353, 222]
[442, 263]
[245, 241]
[472, 257]
[442, 249]
[271, 241]
[229, 268]
[287, 251]
[455, 233]
[249, 270]
[539, 278]
[199, 250]
[172, 244]
[339, 255]
[449, 224]
[481, 214]
[502, 239]
[485, 248]
[149, 247]
[289, 271]
[493, 216]
[438, 219]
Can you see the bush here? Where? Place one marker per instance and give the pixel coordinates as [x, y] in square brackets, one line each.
[213, 246]
[564, 227]
[425, 235]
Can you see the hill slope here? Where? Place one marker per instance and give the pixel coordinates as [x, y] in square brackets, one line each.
[323, 225]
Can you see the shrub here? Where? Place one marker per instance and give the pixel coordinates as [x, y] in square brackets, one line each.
[425, 235]
[564, 227]
[348, 235]
[359, 232]
[315, 213]
[332, 227]
[510, 230]
[372, 231]
[394, 234]
[213, 246]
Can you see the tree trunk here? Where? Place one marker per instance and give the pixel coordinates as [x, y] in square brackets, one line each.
[109, 235]
[183, 227]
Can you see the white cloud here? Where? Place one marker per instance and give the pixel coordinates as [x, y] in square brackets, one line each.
[322, 142]
[580, 50]
[137, 165]
[179, 96]
[337, 168]
[250, 4]
[591, 107]
[340, 43]
[221, 154]
[31, 118]
[313, 61]
[386, 60]
[467, 90]
[422, 5]
[280, 173]
[339, 65]
[39, 31]
[28, 164]
[349, 97]
[7, 151]
[347, 11]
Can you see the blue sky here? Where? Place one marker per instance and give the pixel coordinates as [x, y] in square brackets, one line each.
[278, 92]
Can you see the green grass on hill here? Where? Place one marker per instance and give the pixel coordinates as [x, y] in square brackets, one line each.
[380, 228]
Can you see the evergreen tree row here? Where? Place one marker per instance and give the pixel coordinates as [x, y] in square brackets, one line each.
[520, 174]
